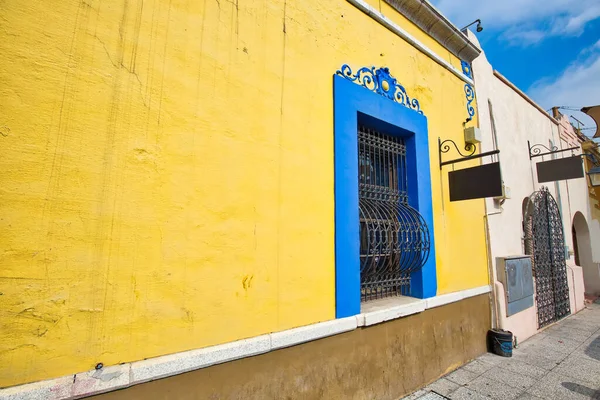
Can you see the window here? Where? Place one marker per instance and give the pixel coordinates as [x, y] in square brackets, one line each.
[394, 239]
[362, 278]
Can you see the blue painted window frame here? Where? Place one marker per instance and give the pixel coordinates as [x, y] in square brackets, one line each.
[353, 104]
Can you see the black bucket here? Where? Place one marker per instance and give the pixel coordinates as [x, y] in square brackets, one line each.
[500, 342]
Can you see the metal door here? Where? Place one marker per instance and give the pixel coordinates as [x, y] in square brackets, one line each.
[544, 241]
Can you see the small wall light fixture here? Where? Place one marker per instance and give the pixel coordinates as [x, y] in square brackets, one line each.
[594, 175]
[594, 172]
[479, 28]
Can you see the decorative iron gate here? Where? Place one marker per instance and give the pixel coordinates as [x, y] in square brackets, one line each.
[544, 240]
[394, 238]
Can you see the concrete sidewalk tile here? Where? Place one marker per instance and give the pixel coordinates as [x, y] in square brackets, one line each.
[425, 395]
[539, 360]
[581, 368]
[494, 389]
[491, 358]
[416, 395]
[443, 386]
[589, 351]
[564, 325]
[461, 376]
[585, 355]
[556, 386]
[520, 367]
[587, 327]
[593, 342]
[563, 345]
[464, 393]
[589, 320]
[528, 396]
[552, 353]
[593, 355]
[531, 340]
[571, 334]
[432, 396]
[478, 366]
[582, 324]
[513, 379]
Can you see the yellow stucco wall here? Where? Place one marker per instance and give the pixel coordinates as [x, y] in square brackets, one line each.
[168, 173]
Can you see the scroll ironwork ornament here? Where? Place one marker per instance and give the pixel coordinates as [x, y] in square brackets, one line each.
[470, 93]
[536, 149]
[380, 81]
[469, 148]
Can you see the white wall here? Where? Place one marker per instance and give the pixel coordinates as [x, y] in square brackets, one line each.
[590, 269]
[516, 121]
[595, 234]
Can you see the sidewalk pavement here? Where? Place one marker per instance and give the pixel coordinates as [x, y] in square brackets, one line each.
[561, 362]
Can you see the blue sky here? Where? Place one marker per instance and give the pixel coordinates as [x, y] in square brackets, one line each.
[550, 49]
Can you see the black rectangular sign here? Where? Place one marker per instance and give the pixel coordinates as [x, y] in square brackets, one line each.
[560, 169]
[476, 182]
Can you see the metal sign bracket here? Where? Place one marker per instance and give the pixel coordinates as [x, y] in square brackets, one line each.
[444, 147]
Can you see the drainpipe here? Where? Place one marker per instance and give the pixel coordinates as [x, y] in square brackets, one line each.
[491, 280]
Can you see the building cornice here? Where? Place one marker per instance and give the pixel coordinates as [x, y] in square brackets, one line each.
[372, 12]
[432, 22]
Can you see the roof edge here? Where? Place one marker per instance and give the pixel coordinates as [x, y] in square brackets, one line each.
[524, 96]
[431, 21]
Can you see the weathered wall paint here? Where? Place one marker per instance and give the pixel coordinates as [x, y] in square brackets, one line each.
[383, 362]
[168, 176]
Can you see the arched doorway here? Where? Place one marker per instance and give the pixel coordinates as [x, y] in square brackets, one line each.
[582, 247]
[544, 241]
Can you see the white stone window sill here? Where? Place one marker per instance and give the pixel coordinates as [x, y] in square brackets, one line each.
[378, 311]
[121, 376]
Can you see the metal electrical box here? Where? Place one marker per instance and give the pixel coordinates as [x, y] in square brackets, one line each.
[472, 135]
[516, 275]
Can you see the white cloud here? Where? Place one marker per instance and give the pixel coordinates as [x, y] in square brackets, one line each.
[528, 22]
[517, 37]
[577, 86]
[576, 23]
[524, 22]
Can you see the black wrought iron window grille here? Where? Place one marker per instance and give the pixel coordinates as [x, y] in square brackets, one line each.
[394, 238]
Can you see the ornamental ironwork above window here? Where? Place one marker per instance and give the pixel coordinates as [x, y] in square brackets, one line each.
[381, 82]
[394, 238]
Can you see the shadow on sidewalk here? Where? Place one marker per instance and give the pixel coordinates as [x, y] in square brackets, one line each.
[584, 390]
[593, 349]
